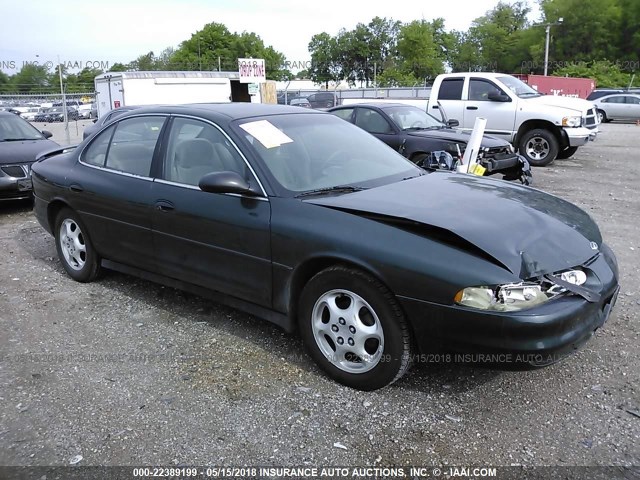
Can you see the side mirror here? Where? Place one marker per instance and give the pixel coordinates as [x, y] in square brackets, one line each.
[47, 134]
[226, 182]
[95, 120]
[452, 123]
[499, 97]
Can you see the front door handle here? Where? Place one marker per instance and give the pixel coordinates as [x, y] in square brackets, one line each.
[472, 108]
[74, 187]
[164, 206]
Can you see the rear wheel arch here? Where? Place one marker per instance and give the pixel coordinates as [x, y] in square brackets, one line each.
[53, 210]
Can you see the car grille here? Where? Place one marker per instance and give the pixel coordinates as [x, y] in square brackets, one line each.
[17, 171]
[591, 119]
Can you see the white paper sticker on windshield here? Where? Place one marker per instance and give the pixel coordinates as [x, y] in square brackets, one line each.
[266, 133]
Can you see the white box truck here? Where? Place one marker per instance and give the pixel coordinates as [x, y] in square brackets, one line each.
[117, 89]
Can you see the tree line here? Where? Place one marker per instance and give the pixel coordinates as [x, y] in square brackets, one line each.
[596, 38]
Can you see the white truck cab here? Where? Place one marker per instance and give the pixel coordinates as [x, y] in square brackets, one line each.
[541, 127]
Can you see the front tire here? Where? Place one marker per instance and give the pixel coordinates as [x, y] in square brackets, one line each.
[354, 328]
[539, 147]
[75, 250]
[567, 153]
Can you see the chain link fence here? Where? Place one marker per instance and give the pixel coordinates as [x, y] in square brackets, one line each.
[42, 109]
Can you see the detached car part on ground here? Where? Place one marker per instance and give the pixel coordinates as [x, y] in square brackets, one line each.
[418, 136]
[20, 144]
[311, 223]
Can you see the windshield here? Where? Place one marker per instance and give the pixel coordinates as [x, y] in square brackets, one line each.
[518, 87]
[15, 128]
[55, 110]
[412, 118]
[307, 152]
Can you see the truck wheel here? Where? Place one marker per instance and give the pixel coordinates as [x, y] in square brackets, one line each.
[567, 152]
[539, 147]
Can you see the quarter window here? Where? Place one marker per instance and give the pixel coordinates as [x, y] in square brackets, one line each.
[96, 152]
[344, 113]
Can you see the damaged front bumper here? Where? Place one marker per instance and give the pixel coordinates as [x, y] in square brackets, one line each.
[540, 335]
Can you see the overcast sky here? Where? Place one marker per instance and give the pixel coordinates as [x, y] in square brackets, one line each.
[110, 31]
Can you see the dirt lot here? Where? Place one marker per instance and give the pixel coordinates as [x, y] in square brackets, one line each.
[125, 372]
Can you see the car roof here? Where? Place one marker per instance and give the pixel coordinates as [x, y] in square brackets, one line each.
[377, 105]
[231, 111]
[619, 94]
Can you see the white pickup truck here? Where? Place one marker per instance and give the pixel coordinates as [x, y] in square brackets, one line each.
[541, 127]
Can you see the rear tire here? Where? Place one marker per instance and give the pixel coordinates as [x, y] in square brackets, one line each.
[354, 328]
[567, 153]
[539, 147]
[75, 250]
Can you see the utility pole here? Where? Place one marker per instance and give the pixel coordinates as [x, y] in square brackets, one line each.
[546, 44]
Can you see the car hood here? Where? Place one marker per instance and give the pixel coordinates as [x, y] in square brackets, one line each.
[458, 136]
[527, 231]
[23, 151]
[559, 101]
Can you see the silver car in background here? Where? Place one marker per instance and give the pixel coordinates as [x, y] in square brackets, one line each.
[618, 106]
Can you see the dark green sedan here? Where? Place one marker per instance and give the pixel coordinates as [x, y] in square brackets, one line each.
[313, 224]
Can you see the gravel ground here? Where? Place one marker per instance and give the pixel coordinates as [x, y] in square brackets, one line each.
[126, 372]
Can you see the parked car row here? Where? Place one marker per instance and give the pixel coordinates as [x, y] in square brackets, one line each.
[51, 112]
[315, 100]
[20, 143]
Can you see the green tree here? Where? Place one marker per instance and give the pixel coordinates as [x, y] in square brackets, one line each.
[32, 78]
[591, 30]
[5, 83]
[606, 73]
[118, 67]
[494, 42]
[325, 59]
[418, 53]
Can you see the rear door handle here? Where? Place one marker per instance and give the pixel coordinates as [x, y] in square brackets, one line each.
[74, 187]
[164, 206]
[472, 108]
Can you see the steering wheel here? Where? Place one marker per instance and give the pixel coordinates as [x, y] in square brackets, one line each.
[417, 124]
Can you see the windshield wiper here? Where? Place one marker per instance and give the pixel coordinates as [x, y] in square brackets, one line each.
[432, 127]
[336, 189]
[16, 139]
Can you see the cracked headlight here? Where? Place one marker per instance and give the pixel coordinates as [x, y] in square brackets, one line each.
[518, 296]
[503, 298]
[571, 121]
